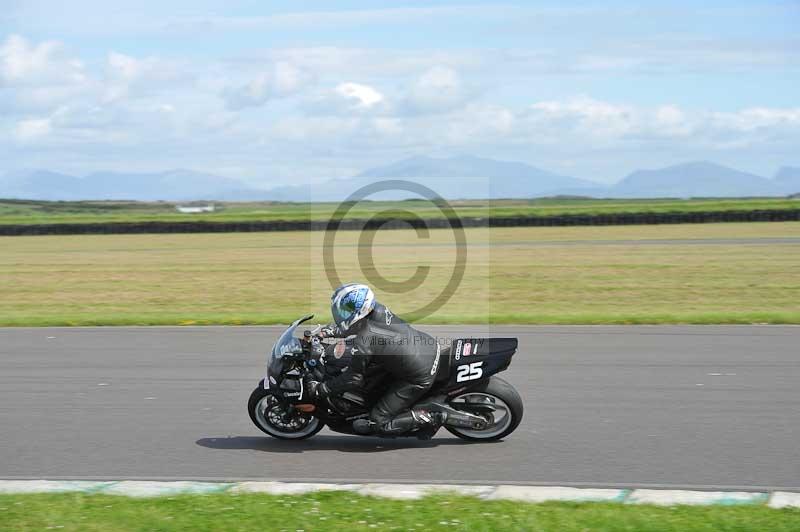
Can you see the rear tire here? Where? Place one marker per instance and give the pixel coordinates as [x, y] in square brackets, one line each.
[262, 403]
[505, 397]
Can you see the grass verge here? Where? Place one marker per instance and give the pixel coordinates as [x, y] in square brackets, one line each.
[706, 273]
[49, 212]
[347, 511]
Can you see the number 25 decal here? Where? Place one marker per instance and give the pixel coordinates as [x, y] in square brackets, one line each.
[469, 372]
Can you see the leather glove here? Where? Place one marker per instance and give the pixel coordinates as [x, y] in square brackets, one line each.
[329, 331]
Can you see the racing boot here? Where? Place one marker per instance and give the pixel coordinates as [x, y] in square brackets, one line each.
[364, 426]
[424, 422]
[400, 424]
[427, 430]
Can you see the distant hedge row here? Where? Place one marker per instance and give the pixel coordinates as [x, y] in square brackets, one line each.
[637, 218]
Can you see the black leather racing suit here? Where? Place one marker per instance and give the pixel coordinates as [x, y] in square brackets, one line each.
[411, 357]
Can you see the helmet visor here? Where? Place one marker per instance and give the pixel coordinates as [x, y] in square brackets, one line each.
[344, 310]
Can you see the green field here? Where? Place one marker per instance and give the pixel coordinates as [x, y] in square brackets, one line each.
[38, 212]
[347, 511]
[570, 275]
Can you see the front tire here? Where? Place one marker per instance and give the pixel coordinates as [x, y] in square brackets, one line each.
[268, 414]
[503, 398]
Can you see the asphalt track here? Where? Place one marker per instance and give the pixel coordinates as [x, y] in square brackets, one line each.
[688, 406]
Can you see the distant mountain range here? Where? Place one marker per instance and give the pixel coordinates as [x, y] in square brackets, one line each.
[699, 179]
[453, 178]
[463, 177]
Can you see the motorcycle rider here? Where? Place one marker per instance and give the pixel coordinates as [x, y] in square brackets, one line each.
[411, 357]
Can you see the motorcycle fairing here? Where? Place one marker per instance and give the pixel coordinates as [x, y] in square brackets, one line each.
[474, 359]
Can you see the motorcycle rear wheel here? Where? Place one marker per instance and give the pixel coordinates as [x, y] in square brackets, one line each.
[505, 400]
[266, 413]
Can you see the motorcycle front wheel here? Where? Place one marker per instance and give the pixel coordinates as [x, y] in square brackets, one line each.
[277, 419]
[496, 395]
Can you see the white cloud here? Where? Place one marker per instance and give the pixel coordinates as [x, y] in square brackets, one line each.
[388, 126]
[288, 79]
[471, 126]
[41, 77]
[340, 108]
[756, 118]
[32, 129]
[255, 92]
[126, 67]
[283, 80]
[587, 120]
[23, 63]
[36, 77]
[347, 99]
[670, 115]
[313, 128]
[437, 90]
[359, 96]
[601, 121]
[85, 117]
[127, 76]
[590, 116]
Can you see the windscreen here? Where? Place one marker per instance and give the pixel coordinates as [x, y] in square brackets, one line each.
[286, 345]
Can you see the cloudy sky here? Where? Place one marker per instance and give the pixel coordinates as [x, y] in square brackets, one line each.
[308, 90]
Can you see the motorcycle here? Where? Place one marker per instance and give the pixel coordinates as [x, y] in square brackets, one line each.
[476, 403]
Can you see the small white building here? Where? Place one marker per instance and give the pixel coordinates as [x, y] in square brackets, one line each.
[195, 209]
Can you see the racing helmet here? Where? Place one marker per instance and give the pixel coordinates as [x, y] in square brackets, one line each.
[350, 303]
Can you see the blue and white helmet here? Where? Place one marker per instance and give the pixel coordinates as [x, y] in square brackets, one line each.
[350, 303]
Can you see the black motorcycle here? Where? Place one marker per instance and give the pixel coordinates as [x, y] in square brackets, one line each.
[477, 405]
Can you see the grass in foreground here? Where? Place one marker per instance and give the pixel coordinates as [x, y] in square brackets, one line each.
[347, 511]
[44, 212]
[513, 275]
